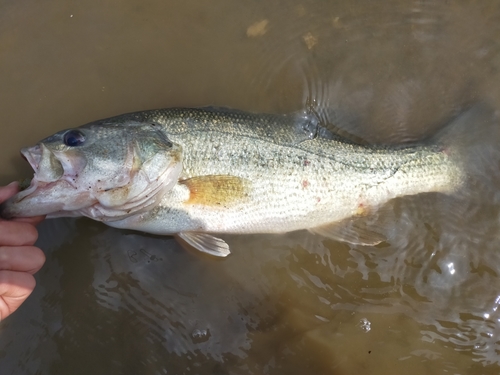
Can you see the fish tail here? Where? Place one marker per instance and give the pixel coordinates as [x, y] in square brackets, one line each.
[471, 141]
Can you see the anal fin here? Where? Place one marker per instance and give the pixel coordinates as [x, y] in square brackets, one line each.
[206, 243]
[353, 231]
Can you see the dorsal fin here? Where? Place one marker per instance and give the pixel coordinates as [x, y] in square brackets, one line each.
[330, 124]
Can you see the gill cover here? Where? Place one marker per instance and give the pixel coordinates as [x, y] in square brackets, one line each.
[152, 166]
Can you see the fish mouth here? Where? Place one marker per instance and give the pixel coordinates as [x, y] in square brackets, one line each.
[49, 190]
[46, 167]
[32, 155]
[45, 163]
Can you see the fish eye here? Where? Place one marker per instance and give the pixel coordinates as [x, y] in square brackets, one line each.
[74, 138]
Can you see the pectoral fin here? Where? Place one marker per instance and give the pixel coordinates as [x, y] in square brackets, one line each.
[206, 243]
[353, 231]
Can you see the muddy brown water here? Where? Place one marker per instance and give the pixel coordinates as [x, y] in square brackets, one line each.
[120, 302]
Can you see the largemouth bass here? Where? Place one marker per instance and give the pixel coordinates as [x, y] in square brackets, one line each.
[199, 173]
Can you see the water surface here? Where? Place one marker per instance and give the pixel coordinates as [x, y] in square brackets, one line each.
[111, 301]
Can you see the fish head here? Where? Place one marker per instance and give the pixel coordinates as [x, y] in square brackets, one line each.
[105, 171]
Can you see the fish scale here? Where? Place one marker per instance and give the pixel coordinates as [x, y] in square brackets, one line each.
[285, 194]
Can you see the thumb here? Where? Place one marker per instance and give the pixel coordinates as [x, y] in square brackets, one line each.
[8, 191]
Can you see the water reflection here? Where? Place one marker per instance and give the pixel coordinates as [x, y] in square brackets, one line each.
[371, 63]
[153, 279]
[109, 301]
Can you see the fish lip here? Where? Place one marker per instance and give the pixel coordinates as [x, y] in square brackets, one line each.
[47, 164]
[21, 205]
[38, 198]
[7, 208]
[34, 186]
[32, 155]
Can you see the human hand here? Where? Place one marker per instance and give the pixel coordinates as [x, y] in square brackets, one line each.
[19, 259]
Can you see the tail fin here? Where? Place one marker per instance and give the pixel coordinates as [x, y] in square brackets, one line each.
[473, 142]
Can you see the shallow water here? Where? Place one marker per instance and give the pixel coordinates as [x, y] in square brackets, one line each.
[110, 301]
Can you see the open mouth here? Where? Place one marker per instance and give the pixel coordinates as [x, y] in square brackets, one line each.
[33, 156]
[47, 169]
[45, 164]
[53, 188]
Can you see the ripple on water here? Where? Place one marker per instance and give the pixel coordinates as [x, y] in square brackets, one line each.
[369, 65]
[161, 286]
[440, 268]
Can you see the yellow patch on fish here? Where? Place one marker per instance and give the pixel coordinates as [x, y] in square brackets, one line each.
[216, 190]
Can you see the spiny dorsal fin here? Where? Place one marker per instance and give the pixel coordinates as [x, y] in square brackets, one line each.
[206, 243]
[216, 190]
[332, 124]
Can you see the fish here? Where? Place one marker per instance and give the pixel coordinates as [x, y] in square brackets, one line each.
[201, 173]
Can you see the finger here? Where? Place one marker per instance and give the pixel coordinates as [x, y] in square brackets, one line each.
[15, 287]
[35, 220]
[21, 258]
[8, 191]
[17, 233]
